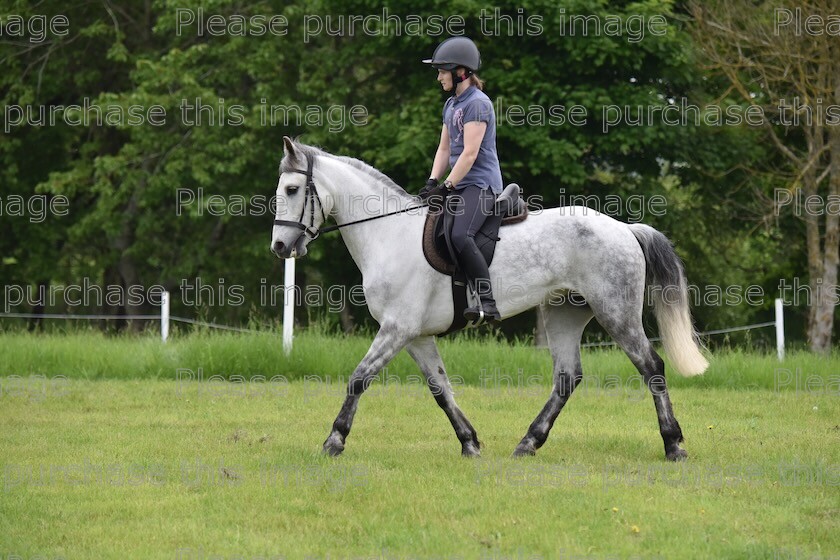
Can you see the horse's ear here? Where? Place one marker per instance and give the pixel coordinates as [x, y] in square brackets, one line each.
[289, 148]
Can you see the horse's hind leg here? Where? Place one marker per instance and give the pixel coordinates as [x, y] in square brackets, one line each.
[622, 319]
[564, 326]
[425, 353]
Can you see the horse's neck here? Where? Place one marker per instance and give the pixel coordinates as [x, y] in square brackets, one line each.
[358, 196]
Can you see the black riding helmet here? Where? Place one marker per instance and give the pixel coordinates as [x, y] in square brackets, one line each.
[455, 52]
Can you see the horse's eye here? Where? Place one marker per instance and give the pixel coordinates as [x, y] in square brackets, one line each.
[292, 189]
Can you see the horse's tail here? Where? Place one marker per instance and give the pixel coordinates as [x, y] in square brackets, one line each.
[665, 271]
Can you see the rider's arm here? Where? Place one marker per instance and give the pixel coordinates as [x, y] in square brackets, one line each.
[473, 135]
[442, 155]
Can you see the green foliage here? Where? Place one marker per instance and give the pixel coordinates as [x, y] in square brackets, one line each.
[122, 180]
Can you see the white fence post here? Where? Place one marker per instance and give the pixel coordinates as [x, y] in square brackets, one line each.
[164, 316]
[780, 329]
[288, 303]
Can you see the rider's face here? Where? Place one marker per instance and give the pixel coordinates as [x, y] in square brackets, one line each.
[445, 79]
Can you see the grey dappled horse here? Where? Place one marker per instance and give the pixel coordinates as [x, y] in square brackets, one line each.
[553, 251]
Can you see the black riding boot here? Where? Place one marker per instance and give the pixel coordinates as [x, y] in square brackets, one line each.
[475, 267]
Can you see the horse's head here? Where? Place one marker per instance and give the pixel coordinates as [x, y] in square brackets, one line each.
[300, 211]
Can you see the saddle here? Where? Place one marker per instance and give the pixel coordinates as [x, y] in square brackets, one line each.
[509, 209]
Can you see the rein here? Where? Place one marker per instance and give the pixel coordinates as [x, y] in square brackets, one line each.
[310, 194]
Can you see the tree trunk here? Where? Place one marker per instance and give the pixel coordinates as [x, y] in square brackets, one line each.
[822, 326]
[348, 325]
[126, 266]
[111, 277]
[130, 277]
[35, 323]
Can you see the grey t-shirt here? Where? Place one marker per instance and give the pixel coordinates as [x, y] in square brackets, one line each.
[474, 105]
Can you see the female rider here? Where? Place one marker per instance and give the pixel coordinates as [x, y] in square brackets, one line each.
[468, 147]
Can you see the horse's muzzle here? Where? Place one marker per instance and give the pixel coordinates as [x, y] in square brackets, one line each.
[279, 249]
[293, 251]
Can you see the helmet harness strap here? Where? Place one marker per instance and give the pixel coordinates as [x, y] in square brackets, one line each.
[456, 79]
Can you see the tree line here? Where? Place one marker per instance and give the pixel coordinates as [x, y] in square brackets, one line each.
[723, 109]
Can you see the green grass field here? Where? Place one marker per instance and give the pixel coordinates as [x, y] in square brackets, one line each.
[109, 452]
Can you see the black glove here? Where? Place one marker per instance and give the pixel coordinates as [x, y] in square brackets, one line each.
[431, 184]
[436, 197]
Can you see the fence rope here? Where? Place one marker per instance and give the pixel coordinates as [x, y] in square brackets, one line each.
[127, 317]
[705, 333]
[244, 330]
[217, 326]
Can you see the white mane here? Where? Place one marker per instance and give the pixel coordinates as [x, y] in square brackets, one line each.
[372, 172]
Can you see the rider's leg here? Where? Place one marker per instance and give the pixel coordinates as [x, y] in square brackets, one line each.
[472, 209]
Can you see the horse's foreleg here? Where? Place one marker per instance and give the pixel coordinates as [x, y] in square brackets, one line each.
[388, 342]
[425, 353]
[564, 327]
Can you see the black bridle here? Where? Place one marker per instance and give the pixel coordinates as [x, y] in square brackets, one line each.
[310, 195]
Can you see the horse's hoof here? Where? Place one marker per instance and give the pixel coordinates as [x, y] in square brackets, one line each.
[677, 454]
[333, 447]
[524, 450]
[470, 449]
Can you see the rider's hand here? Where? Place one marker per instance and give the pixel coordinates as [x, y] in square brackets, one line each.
[436, 197]
[431, 184]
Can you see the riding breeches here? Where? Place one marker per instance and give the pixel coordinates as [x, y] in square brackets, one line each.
[470, 207]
